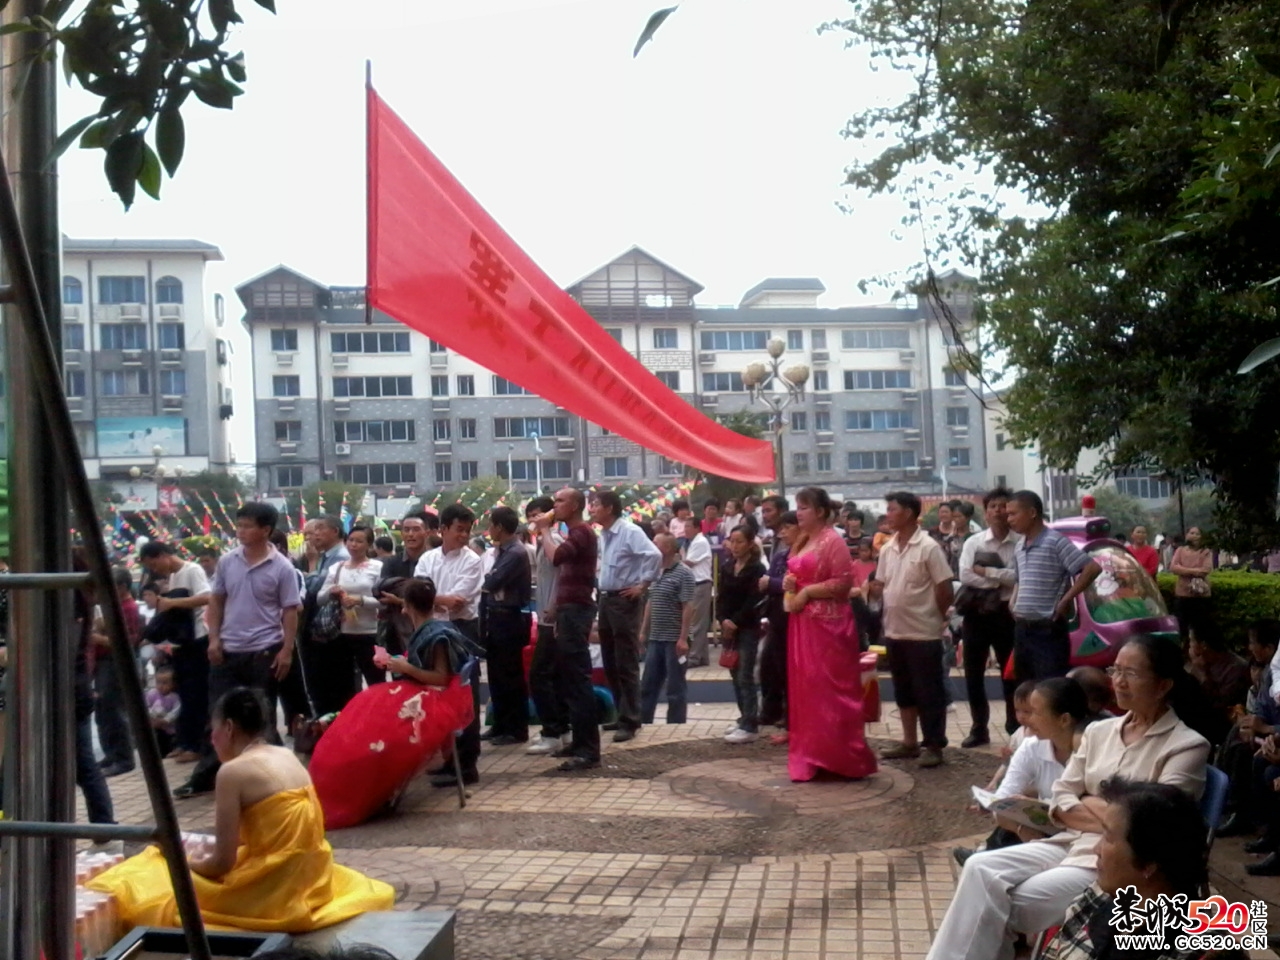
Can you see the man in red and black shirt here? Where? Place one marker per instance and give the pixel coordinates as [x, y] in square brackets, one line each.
[574, 554]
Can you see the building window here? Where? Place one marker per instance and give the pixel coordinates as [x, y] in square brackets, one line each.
[666, 338]
[441, 429]
[466, 385]
[468, 470]
[290, 386]
[502, 387]
[122, 289]
[1001, 443]
[369, 342]
[879, 419]
[799, 421]
[168, 290]
[72, 290]
[288, 477]
[818, 339]
[434, 346]
[615, 467]
[824, 462]
[615, 332]
[889, 339]
[124, 336]
[821, 381]
[882, 459]
[173, 383]
[284, 341]
[374, 431]
[172, 336]
[444, 471]
[528, 470]
[822, 421]
[877, 379]
[517, 428]
[73, 336]
[373, 387]
[467, 428]
[75, 383]
[799, 463]
[126, 383]
[795, 339]
[288, 431]
[734, 339]
[1063, 488]
[1002, 480]
[1140, 484]
[722, 382]
[957, 416]
[669, 378]
[669, 468]
[958, 457]
[378, 474]
[954, 378]
[439, 385]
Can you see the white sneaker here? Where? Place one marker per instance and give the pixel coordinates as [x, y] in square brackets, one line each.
[740, 736]
[543, 746]
[731, 728]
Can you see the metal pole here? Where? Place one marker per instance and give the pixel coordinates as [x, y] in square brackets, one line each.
[778, 452]
[1182, 517]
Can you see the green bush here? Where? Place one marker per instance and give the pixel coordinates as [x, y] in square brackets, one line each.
[1237, 598]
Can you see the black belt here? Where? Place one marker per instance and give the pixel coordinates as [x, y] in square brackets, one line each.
[617, 593]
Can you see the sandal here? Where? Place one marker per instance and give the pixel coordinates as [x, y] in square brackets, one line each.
[780, 739]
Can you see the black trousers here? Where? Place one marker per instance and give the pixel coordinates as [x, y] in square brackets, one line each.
[619, 625]
[773, 668]
[916, 668]
[573, 668]
[1194, 613]
[469, 742]
[1236, 761]
[507, 634]
[191, 678]
[1041, 649]
[545, 686]
[292, 690]
[336, 669]
[982, 633]
[252, 670]
[108, 711]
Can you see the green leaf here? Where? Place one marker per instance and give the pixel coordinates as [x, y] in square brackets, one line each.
[214, 91]
[149, 174]
[1269, 62]
[651, 28]
[1260, 354]
[95, 138]
[65, 139]
[123, 165]
[267, 4]
[1271, 155]
[18, 26]
[235, 67]
[223, 14]
[171, 137]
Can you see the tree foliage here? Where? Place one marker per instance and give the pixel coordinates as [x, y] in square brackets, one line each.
[1125, 307]
[143, 59]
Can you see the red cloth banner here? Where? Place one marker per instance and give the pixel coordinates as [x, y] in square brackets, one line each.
[440, 264]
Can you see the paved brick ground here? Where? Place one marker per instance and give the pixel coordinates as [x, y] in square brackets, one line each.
[605, 866]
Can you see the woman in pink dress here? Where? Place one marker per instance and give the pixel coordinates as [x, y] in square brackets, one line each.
[824, 671]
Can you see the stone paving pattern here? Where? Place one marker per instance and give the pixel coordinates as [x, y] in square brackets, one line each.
[682, 847]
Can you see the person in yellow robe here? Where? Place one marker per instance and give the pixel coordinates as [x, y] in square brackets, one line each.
[270, 867]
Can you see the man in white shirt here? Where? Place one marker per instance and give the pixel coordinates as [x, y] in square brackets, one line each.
[988, 624]
[456, 570]
[697, 557]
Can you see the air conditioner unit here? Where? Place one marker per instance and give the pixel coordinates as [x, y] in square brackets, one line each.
[171, 403]
[130, 311]
[288, 448]
[910, 396]
[439, 359]
[133, 357]
[71, 313]
[566, 444]
[706, 359]
[284, 359]
[825, 439]
[171, 356]
[171, 310]
[822, 399]
[342, 449]
[911, 433]
[820, 356]
[710, 399]
[907, 356]
[71, 357]
[340, 361]
[286, 404]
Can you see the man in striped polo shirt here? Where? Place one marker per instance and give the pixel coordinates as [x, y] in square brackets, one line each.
[1052, 572]
[667, 617]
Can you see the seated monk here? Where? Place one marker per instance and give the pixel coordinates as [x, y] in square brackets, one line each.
[270, 868]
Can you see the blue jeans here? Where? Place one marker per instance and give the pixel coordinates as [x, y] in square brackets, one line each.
[747, 643]
[1041, 649]
[89, 778]
[662, 666]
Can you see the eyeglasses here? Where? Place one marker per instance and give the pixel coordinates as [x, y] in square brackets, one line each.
[1128, 674]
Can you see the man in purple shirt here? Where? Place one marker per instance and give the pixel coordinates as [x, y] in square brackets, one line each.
[253, 620]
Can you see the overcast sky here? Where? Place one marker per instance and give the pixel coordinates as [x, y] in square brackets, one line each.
[718, 150]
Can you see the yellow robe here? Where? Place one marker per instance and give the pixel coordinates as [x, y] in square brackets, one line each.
[284, 879]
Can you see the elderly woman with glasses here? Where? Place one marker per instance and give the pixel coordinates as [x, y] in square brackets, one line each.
[1028, 887]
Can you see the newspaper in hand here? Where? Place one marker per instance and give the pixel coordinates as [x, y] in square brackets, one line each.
[1032, 814]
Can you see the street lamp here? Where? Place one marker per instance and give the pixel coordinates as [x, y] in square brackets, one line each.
[158, 470]
[777, 389]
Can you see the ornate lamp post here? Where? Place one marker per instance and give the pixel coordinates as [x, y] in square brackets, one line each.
[158, 470]
[777, 389]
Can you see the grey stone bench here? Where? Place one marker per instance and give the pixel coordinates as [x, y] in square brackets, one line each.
[420, 935]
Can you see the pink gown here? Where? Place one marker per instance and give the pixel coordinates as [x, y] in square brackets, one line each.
[824, 671]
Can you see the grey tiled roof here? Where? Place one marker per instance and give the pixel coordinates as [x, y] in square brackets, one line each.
[803, 316]
[786, 285]
[120, 245]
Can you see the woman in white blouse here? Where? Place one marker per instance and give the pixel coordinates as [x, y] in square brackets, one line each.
[351, 583]
[1028, 887]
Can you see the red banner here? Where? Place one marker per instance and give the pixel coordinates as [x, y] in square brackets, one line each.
[440, 264]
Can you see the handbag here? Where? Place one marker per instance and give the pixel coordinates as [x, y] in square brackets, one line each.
[729, 658]
[977, 600]
[1198, 586]
[326, 625]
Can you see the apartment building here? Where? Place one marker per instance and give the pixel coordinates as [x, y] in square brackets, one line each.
[382, 406]
[147, 372]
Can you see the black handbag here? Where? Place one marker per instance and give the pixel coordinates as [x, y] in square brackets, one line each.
[977, 600]
[326, 624]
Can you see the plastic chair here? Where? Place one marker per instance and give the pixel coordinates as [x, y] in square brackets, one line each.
[469, 674]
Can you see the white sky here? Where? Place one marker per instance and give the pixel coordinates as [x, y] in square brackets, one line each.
[717, 150]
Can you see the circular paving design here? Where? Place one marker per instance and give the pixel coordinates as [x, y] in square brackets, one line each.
[763, 789]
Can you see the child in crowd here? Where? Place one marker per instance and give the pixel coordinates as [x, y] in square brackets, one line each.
[1021, 710]
[163, 707]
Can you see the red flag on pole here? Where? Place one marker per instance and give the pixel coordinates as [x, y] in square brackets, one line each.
[440, 264]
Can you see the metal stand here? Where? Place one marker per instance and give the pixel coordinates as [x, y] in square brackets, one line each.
[27, 901]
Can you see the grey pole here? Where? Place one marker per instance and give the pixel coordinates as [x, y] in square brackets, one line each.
[40, 880]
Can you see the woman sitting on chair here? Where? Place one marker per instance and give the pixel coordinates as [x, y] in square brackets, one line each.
[270, 867]
[389, 732]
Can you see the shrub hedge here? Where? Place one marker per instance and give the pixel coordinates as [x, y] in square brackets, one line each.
[1237, 598]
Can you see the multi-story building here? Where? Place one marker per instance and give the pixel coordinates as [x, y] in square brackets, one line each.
[378, 405]
[146, 365]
